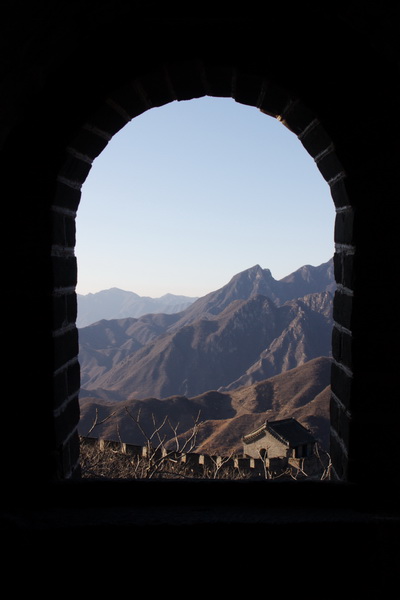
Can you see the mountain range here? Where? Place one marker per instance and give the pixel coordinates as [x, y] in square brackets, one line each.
[251, 329]
[118, 304]
[255, 349]
[302, 393]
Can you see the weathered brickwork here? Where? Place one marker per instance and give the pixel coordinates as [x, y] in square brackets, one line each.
[343, 120]
[72, 74]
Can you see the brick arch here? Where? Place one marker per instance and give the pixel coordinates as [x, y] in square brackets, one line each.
[177, 82]
[60, 63]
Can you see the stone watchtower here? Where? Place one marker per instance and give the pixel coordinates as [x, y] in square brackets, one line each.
[281, 444]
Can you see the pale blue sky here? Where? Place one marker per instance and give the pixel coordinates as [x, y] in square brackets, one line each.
[189, 194]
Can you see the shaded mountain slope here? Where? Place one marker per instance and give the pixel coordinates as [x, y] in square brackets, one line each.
[105, 344]
[235, 336]
[302, 392]
[248, 341]
[305, 334]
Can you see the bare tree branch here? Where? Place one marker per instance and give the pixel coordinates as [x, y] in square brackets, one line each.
[96, 421]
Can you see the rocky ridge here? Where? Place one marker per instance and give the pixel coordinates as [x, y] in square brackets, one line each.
[252, 328]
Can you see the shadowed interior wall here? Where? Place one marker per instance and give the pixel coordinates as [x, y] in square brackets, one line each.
[74, 74]
[73, 97]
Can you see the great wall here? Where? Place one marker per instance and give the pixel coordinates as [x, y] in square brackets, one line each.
[316, 466]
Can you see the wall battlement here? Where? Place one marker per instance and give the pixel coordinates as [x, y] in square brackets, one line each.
[238, 465]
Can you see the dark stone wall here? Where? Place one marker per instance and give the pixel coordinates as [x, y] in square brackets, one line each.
[73, 74]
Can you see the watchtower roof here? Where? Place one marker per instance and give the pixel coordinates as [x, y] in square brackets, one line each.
[288, 431]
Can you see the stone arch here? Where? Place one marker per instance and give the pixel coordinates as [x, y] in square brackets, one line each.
[177, 82]
[59, 65]
[58, 73]
[263, 452]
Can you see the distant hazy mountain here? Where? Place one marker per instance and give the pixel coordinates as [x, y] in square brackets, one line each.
[251, 329]
[119, 304]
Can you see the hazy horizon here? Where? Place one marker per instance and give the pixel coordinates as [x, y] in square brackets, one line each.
[209, 291]
[191, 193]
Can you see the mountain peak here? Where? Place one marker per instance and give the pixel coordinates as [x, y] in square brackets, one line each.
[256, 270]
[254, 273]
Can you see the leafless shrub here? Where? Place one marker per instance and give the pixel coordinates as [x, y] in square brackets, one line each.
[167, 454]
[160, 456]
[103, 463]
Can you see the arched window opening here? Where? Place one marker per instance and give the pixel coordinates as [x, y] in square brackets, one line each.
[221, 203]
